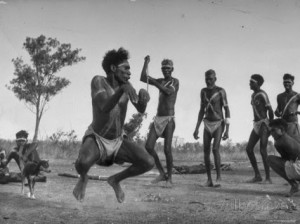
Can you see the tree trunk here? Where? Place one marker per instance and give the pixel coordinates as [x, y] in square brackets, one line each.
[37, 121]
[36, 130]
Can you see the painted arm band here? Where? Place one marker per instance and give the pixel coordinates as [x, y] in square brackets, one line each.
[227, 120]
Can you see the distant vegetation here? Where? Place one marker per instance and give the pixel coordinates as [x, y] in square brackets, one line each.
[65, 145]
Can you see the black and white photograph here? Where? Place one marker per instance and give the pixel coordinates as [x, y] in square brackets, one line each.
[149, 111]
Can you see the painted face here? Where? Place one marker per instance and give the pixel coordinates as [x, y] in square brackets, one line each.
[253, 84]
[21, 142]
[167, 70]
[288, 84]
[123, 72]
[210, 80]
[276, 132]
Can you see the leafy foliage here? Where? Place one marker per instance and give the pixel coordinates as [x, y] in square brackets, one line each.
[36, 84]
[133, 126]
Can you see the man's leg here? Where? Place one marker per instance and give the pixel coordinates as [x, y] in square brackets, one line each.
[206, 143]
[216, 151]
[264, 135]
[150, 144]
[278, 165]
[253, 139]
[141, 162]
[168, 135]
[88, 155]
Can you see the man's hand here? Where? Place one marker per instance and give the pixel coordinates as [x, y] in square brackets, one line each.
[147, 59]
[225, 136]
[196, 132]
[130, 91]
[143, 96]
[294, 113]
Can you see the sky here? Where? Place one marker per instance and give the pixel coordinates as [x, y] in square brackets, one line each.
[236, 38]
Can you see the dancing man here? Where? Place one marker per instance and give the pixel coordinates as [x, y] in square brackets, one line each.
[164, 123]
[213, 100]
[263, 113]
[103, 142]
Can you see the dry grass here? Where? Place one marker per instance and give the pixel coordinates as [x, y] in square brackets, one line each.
[189, 152]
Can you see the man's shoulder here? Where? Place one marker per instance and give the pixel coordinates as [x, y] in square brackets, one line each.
[98, 78]
[220, 89]
[175, 79]
[280, 95]
[98, 83]
[262, 93]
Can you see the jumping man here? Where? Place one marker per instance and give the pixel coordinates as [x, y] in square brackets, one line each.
[164, 123]
[287, 105]
[263, 113]
[213, 100]
[103, 143]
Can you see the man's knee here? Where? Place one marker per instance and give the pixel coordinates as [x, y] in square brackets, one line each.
[249, 149]
[148, 163]
[271, 159]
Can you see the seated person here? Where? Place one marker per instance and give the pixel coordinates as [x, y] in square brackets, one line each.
[287, 165]
[3, 168]
[24, 152]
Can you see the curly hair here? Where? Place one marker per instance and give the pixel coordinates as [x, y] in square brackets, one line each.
[22, 134]
[288, 76]
[279, 123]
[167, 62]
[257, 77]
[114, 57]
[210, 72]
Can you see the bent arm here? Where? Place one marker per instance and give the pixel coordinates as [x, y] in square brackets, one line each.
[100, 97]
[277, 111]
[143, 100]
[270, 113]
[106, 103]
[144, 73]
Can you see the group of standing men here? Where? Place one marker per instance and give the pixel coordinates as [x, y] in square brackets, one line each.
[103, 142]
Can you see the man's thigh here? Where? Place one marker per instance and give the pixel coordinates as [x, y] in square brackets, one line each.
[152, 137]
[89, 151]
[131, 152]
[253, 139]
[168, 133]
[264, 134]
[217, 137]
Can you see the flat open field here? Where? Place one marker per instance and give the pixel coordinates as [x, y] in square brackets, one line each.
[187, 202]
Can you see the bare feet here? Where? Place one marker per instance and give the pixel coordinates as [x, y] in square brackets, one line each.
[169, 184]
[209, 184]
[117, 188]
[294, 189]
[255, 179]
[158, 179]
[79, 190]
[267, 181]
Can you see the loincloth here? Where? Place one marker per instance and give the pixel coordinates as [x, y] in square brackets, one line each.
[160, 123]
[108, 148]
[257, 125]
[212, 126]
[292, 170]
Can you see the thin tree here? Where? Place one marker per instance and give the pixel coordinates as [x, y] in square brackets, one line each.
[37, 84]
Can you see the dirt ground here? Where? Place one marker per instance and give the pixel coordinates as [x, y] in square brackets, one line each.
[187, 202]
